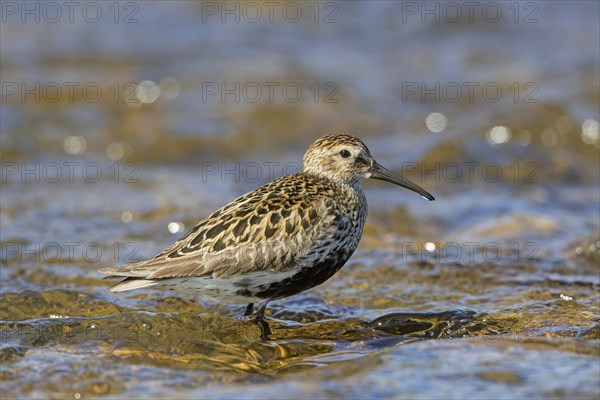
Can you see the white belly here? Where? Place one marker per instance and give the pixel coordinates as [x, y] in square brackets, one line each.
[233, 290]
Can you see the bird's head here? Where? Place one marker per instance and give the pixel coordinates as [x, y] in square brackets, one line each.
[346, 159]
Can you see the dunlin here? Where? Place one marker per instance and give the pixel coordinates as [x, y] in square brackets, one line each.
[276, 241]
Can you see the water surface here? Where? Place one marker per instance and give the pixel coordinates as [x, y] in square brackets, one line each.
[491, 291]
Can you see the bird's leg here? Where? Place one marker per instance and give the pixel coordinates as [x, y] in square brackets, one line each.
[249, 310]
[261, 309]
[263, 325]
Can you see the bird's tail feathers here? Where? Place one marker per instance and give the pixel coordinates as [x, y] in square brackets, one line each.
[130, 284]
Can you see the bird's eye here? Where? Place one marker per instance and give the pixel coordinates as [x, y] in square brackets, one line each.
[345, 153]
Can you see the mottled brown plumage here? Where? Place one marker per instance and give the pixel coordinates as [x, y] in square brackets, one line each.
[278, 240]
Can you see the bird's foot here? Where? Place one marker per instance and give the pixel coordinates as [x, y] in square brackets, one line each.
[259, 319]
[263, 325]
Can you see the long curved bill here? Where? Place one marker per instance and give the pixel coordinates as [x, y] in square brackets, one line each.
[379, 172]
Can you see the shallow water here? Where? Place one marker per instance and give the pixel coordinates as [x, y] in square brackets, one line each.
[491, 291]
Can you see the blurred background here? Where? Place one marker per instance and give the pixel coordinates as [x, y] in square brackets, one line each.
[122, 124]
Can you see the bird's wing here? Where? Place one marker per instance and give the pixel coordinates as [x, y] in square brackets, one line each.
[258, 231]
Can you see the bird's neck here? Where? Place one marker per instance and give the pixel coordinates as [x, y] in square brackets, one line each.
[358, 206]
